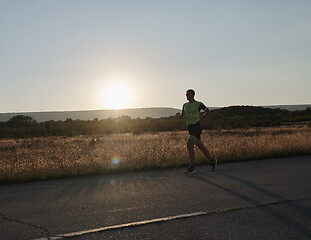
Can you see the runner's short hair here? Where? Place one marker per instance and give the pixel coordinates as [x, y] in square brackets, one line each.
[191, 91]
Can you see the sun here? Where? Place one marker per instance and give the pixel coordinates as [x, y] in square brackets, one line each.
[116, 96]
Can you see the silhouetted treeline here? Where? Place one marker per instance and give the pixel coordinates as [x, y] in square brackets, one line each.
[225, 118]
[249, 116]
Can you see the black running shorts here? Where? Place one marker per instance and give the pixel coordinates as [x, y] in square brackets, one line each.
[195, 130]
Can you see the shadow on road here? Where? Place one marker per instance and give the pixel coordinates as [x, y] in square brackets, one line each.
[295, 205]
[268, 209]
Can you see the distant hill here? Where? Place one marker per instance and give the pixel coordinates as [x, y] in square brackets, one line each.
[290, 107]
[247, 110]
[258, 110]
[155, 112]
[91, 114]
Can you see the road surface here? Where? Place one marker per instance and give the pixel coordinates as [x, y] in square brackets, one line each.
[265, 199]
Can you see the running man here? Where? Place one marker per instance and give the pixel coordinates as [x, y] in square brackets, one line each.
[191, 111]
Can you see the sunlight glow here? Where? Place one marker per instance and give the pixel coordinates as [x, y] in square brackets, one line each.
[116, 96]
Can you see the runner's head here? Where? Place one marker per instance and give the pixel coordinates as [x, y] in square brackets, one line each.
[190, 94]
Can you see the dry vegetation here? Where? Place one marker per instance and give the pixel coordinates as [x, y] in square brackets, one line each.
[49, 157]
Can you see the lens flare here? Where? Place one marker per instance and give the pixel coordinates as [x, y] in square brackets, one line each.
[115, 159]
[113, 182]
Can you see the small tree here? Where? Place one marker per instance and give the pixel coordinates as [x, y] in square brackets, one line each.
[21, 121]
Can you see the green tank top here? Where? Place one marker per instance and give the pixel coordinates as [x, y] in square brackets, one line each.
[192, 111]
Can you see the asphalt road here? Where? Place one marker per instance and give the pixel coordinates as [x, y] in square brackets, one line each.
[265, 199]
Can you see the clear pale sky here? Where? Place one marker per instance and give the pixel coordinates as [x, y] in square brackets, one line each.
[73, 54]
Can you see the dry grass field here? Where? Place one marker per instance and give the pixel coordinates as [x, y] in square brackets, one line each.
[51, 157]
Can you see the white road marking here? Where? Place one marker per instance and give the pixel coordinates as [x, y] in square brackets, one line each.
[164, 219]
[95, 230]
[123, 209]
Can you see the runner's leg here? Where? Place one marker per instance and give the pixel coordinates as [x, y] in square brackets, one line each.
[190, 147]
[213, 161]
[204, 149]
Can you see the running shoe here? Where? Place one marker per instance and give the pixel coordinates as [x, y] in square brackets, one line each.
[190, 169]
[213, 164]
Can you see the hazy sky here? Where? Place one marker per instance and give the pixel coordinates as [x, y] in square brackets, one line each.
[73, 54]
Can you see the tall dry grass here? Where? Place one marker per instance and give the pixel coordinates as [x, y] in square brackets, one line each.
[50, 157]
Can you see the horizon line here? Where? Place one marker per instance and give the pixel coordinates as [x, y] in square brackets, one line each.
[138, 108]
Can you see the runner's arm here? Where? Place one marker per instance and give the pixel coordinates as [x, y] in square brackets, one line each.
[182, 113]
[206, 112]
[205, 109]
